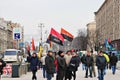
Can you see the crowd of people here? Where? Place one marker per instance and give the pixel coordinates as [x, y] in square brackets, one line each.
[65, 65]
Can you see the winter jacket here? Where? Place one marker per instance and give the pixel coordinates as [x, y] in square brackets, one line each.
[107, 57]
[101, 62]
[83, 59]
[61, 64]
[113, 60]
[49, 64]
[88, 61]
[2, 66]
[67, 59]
[34, 63]
[74, 63]
[43, 60]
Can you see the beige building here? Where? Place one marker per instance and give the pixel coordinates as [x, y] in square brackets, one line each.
[108, 21]
[3, 35]
[6, 35]
[91, 35]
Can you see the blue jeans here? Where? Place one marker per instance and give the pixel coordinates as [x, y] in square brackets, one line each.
[105, 70]
[44, 71]
[90, 70]
[100, 74]
[113, 69]
[49, 76]
[83, 66]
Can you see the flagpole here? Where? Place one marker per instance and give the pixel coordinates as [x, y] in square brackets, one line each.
[41, 25]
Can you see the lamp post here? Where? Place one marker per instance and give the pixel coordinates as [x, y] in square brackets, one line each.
[41, 25]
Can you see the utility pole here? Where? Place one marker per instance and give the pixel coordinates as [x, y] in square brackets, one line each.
[41, 25]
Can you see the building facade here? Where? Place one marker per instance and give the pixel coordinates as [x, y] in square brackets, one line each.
[3, 35]
[6, 35]
[91, 35]
[108, 21]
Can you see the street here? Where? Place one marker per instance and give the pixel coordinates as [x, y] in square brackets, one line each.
[80, 76]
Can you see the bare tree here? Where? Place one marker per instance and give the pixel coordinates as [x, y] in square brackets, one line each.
[80, 42]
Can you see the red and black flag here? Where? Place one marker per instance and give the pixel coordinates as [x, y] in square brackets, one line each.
[67, 35]
[56, 37]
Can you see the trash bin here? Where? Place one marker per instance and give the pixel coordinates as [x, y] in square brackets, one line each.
[16, 70]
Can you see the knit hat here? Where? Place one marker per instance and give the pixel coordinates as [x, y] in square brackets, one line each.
[60, 52]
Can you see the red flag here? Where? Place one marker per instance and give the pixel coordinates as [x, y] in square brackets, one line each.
[33, 45]
[109, 40]
[66, 35]
[56, 37]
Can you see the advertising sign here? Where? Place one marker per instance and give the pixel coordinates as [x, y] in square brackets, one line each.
[7, 71]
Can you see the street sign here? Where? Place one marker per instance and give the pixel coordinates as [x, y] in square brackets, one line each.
[21, 44]
[16, 33]
[16, 30]
[17, 36]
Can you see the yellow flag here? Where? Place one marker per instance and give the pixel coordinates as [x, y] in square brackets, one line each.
[40, 52]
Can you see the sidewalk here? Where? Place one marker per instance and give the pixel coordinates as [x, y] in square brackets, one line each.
[80, 76]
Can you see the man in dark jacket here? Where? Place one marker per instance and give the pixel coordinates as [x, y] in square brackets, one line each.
[83, 62]
[61, 66]
[34, 65]
[113, 62]
[88, 64]
[101, 64]
[49, 64]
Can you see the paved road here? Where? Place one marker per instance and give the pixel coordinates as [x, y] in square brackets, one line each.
[80, 76]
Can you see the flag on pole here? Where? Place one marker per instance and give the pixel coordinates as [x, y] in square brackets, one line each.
[33, 44]
[67, 35]
[40, 51]
[56, 37]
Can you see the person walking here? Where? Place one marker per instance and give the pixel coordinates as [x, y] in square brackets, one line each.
[107, 59]
[101, 64]
[34, 65]
[61, 66]
[88, 64]
[68, 57]
[83, 62]
[113, 62]
[49, 64]
[2, 65]
[74, 64]
[43, 64]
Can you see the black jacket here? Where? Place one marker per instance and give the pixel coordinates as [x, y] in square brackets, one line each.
[2, 66]
[49, 64]
[113, 60]
[61, 63]
[88, 61]
[83, 59]
[74, 63]
[34, 63]
[101, 62]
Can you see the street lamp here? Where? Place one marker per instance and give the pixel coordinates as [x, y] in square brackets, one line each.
[41, 25]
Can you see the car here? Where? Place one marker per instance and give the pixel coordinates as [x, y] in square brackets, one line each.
[13, 55]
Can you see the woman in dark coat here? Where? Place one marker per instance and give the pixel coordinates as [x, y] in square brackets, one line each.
[74, 64]
[34, 65]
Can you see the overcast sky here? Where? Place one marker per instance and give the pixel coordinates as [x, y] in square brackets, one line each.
[69, 14]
